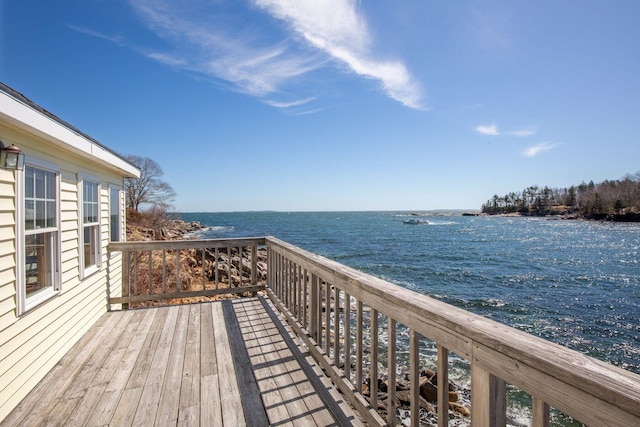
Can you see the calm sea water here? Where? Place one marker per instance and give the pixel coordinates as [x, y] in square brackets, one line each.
[576, 283]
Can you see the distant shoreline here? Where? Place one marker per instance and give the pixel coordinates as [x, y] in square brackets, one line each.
[628, 217]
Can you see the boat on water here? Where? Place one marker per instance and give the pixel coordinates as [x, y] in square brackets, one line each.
[415, 221]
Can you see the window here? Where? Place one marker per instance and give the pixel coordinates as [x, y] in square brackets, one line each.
[39, 226]
[90, 233]
[115, 218]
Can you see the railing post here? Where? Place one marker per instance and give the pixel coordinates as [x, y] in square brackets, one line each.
[313, 325]
[327, 312]
[319, 309]
[359, 346]
[254, 267]
[336, 326]
[443, 386]
[373, 368]
[150, 272]
[540, 413]
[391, 373]
[414, 376]
[305, 301]
[347, 336]
[126, 269]
[488, 398]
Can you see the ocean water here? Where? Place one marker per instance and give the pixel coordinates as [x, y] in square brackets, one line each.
[576, 283]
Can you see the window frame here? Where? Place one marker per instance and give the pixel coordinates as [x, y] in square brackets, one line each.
[25, 303]
[94, 227]
[118, 223]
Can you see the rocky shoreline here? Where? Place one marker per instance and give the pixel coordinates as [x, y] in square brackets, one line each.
[428, 397]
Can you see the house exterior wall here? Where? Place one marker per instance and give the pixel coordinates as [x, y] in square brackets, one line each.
[31, 343]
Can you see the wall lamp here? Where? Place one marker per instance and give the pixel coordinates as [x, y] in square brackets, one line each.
[11, 157]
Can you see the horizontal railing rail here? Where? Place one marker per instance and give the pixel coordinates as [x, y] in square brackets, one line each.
[336, 311]
[179, 269]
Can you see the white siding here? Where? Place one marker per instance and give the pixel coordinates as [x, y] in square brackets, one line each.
[31, 344]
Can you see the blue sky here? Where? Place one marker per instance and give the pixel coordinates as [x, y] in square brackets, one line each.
[340, 105]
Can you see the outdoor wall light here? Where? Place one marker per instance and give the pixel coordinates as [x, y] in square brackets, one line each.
[11, 157]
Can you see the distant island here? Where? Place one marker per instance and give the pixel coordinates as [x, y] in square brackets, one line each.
[612, 200]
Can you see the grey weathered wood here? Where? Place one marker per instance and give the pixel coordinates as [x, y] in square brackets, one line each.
[189, 294]
[63, 374]
[163, 366]
[336, 326]
[184, 244]
[391, 369]
[149, 400]
[321, 399]
[488, 398]
[210, 407]
[373, 368]
[313, 318]
[530, 363]
[539, 413]
[359, 346]
[190, 381]
[347, 336]
[254, 412]
[355, 398]
[327, 318]
[414, 376]
[443, 386]
[230, 399]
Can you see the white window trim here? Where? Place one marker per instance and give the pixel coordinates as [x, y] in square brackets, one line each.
[85, 272]
[25, 304]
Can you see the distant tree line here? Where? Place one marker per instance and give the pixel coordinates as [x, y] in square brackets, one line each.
[608, 199]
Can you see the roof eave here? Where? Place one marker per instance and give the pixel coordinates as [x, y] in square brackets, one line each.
[25, 117]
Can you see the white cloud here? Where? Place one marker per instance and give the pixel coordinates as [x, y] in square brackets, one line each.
[336, 28]
[537, 149]
[215, 40]
[296, 103]
[93, 33]
[491, 130]
[522, 132]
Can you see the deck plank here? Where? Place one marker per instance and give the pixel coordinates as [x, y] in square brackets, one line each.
[170, 395]
[232, 413]
[220, 363]
[253, 407]
[190, 389]
[210, 406]
[148, 406]
[62, 374]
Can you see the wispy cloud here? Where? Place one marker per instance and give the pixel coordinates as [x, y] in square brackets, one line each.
[93, 33]
[202, 42]
[522, 132]
[214, 40]
[296, 103]
[336, 28]
[492, 130]
[537, 149]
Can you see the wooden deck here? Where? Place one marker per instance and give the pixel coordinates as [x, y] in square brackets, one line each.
[222, 363]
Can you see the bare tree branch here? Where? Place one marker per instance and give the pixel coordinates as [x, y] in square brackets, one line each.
[149, 189]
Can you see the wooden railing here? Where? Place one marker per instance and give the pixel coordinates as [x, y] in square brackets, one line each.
[337, 312]
[179, 269]
[325, 302]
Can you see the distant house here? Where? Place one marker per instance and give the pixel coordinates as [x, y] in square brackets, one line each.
[57, 216]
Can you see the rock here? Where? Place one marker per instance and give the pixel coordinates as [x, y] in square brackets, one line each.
[428, 390]
[459, 409]
[403, 398]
